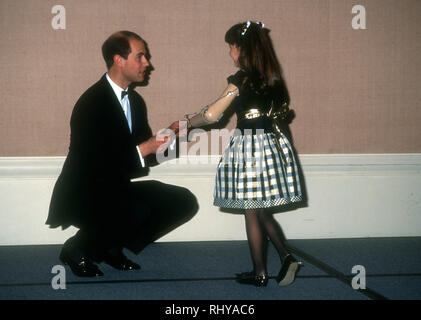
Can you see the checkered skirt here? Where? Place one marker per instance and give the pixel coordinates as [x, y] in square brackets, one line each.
[257, 171]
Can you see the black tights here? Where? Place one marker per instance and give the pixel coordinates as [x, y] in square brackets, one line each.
[260, 225]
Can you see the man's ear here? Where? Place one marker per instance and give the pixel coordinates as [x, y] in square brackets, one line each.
[118, 60]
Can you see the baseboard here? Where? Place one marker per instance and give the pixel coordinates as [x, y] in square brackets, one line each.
[350, 196]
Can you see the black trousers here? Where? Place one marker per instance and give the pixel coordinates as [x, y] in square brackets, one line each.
[151, 210]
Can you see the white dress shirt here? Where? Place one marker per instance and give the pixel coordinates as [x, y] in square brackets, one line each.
[125, 105]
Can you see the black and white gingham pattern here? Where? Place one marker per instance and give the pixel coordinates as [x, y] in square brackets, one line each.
[256, 171]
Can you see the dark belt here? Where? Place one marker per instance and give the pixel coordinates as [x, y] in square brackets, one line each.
[251, 114]
[274, 116]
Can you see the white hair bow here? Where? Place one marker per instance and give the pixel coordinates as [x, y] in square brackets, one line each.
[248, 23]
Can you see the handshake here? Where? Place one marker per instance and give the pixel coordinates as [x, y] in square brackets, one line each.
[164, 139]
[209, 114]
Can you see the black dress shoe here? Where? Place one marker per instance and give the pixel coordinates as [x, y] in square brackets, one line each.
[288, 271]
[81, 266]
[120, 262]
[252, 279]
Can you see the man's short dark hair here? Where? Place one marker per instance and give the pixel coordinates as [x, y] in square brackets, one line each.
[118, 43]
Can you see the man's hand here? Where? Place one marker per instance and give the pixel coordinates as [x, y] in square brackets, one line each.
[175, 127]
[160, 142]
[179, 128]
[155, 144]
[165, 137]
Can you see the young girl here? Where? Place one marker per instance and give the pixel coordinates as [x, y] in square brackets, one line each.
[258, 169]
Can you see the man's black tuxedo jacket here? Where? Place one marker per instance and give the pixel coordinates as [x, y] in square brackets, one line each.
[95, 180]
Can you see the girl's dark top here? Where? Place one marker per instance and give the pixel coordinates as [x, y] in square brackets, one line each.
[250, 98]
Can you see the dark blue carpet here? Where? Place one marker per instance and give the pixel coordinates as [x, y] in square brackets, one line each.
[205, 271]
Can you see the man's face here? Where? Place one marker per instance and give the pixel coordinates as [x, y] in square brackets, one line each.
[135, 67]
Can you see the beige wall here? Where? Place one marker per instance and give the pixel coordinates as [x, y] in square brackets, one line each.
[354, 91]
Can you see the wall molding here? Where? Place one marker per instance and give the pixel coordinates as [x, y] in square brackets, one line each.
[47, 167]
[350, 195]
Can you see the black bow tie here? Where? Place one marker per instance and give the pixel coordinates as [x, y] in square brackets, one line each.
[123, 93]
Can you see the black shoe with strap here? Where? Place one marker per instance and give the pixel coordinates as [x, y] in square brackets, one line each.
[252, 279]
[289, 270]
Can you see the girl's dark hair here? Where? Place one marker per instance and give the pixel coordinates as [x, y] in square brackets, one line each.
[118, 43]
[257, 55]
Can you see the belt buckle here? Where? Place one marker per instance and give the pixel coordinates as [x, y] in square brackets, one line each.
[253, 114]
